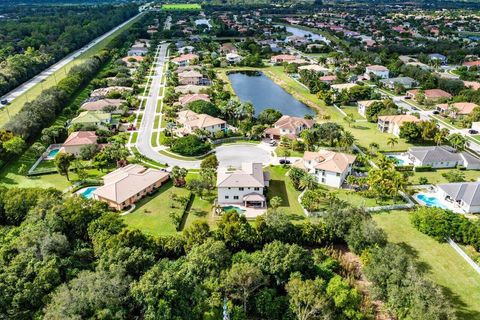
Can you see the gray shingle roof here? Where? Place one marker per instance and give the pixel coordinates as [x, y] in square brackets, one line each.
[468, 192]
[435, 154]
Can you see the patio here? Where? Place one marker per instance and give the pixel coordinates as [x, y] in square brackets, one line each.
[431, 196]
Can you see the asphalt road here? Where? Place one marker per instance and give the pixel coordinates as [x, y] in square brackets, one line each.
[15, 93]
[228, 155]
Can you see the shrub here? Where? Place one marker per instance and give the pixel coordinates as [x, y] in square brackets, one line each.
[190, 145]
[424, 169]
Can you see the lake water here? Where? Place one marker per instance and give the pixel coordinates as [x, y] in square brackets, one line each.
[302, 33]
[263, 93]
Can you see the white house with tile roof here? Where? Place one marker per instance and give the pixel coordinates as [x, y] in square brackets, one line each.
[288, 126]
[189, 121]
[329, 167]
[125, 186]
[244, 186]
[442, 157]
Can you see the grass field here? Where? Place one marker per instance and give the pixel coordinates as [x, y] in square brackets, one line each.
[436, 176]
[281, 186]
[16, 105]
[443, 265]
[181, 6]
[151, 215]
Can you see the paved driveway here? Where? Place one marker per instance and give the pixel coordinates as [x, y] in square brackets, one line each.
[235, 154]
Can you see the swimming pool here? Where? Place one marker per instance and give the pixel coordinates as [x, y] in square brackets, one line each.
[398, 161]
[430, 201]
[53, 153]
[87, 192]
[235, 208]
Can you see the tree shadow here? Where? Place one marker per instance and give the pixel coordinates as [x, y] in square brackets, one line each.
[278, 188]
[423, 267]
[462, 311]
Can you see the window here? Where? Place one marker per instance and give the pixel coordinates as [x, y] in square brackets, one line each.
[338, 174]
[241, 188]
[323, 180]
[227, 197]
[235, 197]
[256, 189]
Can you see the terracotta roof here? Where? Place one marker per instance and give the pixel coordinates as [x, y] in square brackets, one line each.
[195, 120]
[330, 160]
[463, 107]
[190, 74]
[183, 100]
[185, 57]
[291, 123]
[284, 57]
[399, 119]
[377, 68]
[472, 84]
[81, 138]
[432, 93]
[100, 104]
[328, 78]
[126, 182]
[472, 63]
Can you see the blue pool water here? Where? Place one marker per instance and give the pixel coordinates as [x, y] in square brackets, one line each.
[430, 201]
[237, 209]
[87, 193]
[398, 161]
[53, 153]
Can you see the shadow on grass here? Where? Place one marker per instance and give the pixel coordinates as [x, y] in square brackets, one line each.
[462, 311]
[278, 188]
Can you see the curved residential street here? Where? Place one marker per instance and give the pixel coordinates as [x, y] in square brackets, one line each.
[228, 155]
[18, 91]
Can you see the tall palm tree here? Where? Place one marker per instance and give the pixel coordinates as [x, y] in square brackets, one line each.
[457, 141]
[308, 181]
[347, 140]
[349, 119]
[392, 141]
[308, 137]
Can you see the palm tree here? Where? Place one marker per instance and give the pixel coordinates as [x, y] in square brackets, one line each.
[457, 141]
[392, 141]
[275, 202]
[308, 181]
[308, 137]
[347, 140]
[178, 175]
[373, 147]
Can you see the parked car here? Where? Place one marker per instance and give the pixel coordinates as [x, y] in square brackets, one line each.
[4, 101]
[273, 143]
[284, 161]
[473, 131]
[414, 108]
[436, 112]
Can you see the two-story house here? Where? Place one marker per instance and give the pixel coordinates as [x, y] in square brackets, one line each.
[329, 167]
[244, 186]
[190, 121]
[288, 126]
[378, 71]
[392, 124]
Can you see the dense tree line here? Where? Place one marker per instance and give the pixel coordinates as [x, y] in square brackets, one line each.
[35, 38]
[443, 224]
[72, 258]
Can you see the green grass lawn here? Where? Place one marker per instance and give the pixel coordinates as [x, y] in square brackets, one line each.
[16, 105]
[151, 215]
[279, 151]
[281, 186]
[443, 265]
[201, 210]
[181, 6]
[358, 200]
[435, 177]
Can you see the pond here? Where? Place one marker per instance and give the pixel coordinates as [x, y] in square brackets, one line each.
[302, 33]
[263, 93]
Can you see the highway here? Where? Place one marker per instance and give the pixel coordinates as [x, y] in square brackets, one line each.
[20, 90]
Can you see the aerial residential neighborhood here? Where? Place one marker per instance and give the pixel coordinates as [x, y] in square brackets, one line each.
[240, 160]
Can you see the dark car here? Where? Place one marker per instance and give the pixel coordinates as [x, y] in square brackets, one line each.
[4, 102]
[472, 131]
[284, 161]
[436, 112]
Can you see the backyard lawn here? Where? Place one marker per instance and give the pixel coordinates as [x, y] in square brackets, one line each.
[151, 215]
[281, 186]
[442, 264]
[435, 177]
